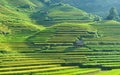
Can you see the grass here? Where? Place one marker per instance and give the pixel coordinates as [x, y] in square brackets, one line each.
[66, 12]
[9, 16]
[60, 33]
[71, 56]
[28, 47]
[111, 72]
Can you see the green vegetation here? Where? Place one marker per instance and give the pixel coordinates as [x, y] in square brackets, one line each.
[113, 14]
[111, 72]
[37, 38]
[98, 7]
[58, 12]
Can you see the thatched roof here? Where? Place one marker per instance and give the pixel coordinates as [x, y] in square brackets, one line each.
[79, 42]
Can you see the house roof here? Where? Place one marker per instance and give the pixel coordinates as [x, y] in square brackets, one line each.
[79, 42]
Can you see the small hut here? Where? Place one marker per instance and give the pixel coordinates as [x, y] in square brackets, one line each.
[78, 43]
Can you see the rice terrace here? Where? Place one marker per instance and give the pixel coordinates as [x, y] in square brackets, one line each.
[59, 37]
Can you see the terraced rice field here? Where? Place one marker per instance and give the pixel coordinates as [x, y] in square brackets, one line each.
[51, 52]
[27, 63]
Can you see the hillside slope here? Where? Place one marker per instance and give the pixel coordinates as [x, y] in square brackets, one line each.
[94, 6]
[20, 17]
[59, 11]
[15, 21]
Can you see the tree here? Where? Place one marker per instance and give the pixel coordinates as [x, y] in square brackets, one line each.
[113, 14]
